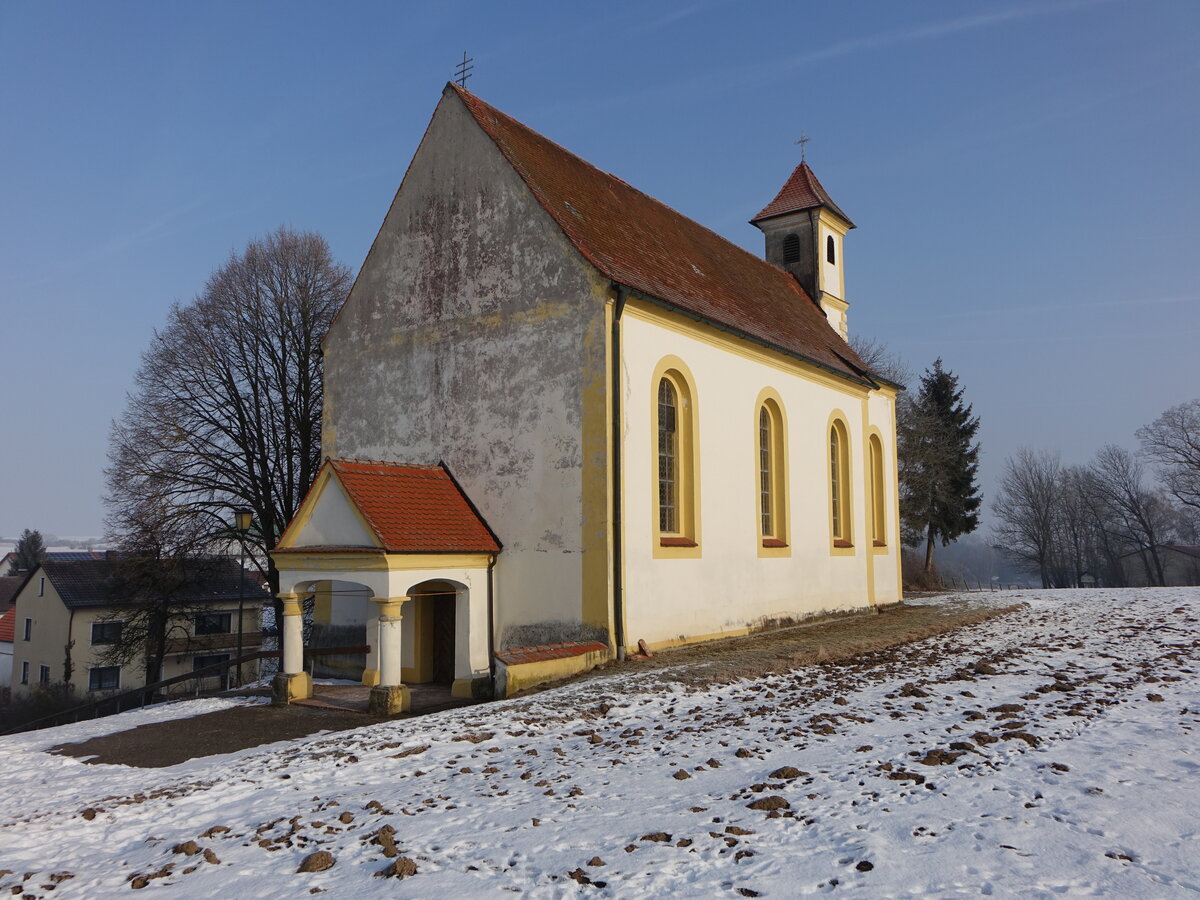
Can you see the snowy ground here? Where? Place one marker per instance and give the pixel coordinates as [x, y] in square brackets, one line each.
[1048, 751]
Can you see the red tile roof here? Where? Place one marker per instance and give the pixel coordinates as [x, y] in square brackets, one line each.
[544, 652]
[801, 191]
[414, 509]
[636, 241]
[8, 625]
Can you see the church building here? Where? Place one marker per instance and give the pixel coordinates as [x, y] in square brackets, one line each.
[563, 420]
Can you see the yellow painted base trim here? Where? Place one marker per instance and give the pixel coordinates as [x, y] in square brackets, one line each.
[690, 639]
[286, 689]
[370, 677]
[527, 675]
[463, 687]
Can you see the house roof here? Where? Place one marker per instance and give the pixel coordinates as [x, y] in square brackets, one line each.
[8, 625]
[637, 241]
[412, 509]
[800, 192]
[9, 585]
[111, 582]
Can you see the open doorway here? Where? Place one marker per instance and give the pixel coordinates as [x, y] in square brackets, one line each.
[435, 628]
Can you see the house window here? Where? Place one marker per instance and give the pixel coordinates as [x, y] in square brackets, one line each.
[830, 249]
[104, 678]
[200, 662]
[44, 675]
[878, 527]
[674, 429]
[214, 623]
[42, 587]
[25, 672]
[839, 484]
[772, 459]
[791, 249]
[28, 630]
[106, 632]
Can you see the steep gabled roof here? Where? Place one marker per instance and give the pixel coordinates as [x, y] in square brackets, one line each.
[9, 585]
[409, 508]
[800, 192]
[637, 241]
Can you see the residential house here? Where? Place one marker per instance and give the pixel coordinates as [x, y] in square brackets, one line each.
[69, 613]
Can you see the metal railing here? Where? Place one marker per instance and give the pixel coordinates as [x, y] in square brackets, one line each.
[141, 696]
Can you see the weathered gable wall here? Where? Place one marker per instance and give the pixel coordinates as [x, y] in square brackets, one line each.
[473, 335]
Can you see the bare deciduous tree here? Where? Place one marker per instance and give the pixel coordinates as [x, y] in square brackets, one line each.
[1025, 506]
[226, 410]
[1172, 443]
[1140, 516]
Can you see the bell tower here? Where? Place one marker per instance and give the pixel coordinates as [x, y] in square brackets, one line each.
[804, 232]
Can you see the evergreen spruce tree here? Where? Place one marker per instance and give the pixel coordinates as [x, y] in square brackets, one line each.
[30, 551]
[939, 461]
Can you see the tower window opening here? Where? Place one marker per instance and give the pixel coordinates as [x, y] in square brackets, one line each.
[830, 250]
[791, 249]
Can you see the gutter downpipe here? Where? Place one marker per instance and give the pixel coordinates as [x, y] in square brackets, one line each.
[491, 623]
[618, 562]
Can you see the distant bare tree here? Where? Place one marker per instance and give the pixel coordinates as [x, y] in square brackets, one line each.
[1137, 514]
[881, 360]
[226, 410]
[1172, 443]
[1026, 505]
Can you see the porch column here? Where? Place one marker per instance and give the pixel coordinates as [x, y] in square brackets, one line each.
[292, 682]
[370, 676]
[390, 695]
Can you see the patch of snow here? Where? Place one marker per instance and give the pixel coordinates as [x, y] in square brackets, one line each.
[1050, 750]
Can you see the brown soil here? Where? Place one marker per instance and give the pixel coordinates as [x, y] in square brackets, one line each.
[169, 743]
[765, 652]
[161, 744]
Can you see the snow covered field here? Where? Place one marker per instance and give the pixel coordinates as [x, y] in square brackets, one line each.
[1049, 751]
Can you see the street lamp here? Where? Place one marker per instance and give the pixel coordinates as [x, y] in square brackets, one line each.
[243, 519]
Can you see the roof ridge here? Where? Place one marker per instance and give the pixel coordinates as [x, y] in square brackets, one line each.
[470, 99]
[638, 241]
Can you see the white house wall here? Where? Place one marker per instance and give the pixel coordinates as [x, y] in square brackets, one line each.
[730, 587]
[473, 335]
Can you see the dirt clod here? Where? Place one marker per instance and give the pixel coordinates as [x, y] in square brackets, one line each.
[401, 867]
[317, 862]
[769, 803]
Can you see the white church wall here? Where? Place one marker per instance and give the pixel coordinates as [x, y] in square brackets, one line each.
[469, 338]
[730, 587]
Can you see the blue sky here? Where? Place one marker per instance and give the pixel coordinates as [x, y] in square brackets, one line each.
[1023, 177]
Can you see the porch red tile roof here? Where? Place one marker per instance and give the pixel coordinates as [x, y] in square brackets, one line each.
[8, 625]
[414, 509]
[637, 241]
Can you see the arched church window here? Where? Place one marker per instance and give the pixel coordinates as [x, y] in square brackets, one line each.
[791, 249]
[878, 524]
[772, 460]
[676, 478]
[830, 249]
[668, 457]
[839, 485]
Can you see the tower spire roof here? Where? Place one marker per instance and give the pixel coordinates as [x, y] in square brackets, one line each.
[802, 191]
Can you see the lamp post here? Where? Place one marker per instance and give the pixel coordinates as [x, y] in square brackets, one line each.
[243, 519]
